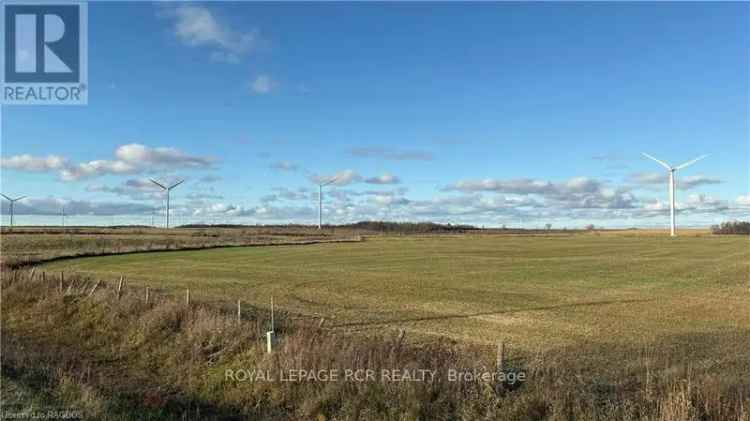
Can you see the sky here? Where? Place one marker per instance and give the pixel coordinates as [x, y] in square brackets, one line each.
[516, 114]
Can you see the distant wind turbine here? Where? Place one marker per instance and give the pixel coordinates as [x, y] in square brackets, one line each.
[167, 189]
[12, 203]
[672, 170]
[320, 199]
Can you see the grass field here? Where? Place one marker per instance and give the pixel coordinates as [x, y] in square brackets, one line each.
[532, 291]
[29, 245]
[608, 325]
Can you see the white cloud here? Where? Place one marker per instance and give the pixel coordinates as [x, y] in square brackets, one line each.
[289, 194]
[390, 200]
[96, 168]
[263, 84]
[136, 189]
[52, 206]
[383, 179]
[342, 178]
[516, 186]
[662, 179]
[34, 164]
[693, 181]
[132, 158]
[575, 193]
[743, 200]
[198, 26]
[702, 201]
[284, 166]
[137, 154]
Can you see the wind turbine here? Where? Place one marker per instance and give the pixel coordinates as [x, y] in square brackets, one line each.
[167, 189]
[672, 170]
[12, 203]
[320, 199]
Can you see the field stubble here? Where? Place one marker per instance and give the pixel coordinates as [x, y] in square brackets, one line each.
[607, 328]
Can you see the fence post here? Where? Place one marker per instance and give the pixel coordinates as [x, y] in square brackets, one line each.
[239, 311]
[270, 340]
[146, 295]
[500, 356]
[119, 287]
[187, 297]
[94, 288]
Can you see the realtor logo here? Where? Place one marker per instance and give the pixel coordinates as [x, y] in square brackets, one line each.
[45, 53]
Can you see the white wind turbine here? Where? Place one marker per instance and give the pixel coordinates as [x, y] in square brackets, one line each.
[12, 204]
[672, 170]
[322, 184]
[167, 189]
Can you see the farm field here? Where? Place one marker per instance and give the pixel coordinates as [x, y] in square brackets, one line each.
[607, 325]
[535, 292]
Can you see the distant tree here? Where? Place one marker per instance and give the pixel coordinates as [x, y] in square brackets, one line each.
[732, 227]
[548, 226]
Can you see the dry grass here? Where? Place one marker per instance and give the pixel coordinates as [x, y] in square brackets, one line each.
[540, 292]
[127, 359]
[684, 359]
[25, 246]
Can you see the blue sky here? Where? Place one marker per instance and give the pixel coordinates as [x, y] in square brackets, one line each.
[491, 114]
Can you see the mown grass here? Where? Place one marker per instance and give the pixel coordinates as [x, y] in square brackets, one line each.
[535, 292]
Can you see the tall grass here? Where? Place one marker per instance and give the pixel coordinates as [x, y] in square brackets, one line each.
[127, 359]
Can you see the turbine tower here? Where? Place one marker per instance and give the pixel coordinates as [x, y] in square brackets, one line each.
[167, 189]
[320, 199]
[12, 203]
[672, 170]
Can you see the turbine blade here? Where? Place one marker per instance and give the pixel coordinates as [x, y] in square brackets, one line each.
[332, 180]
[157, 183]
[690, 162]
[176, 184]
[19, 198]
[8, 198]
[662, 163]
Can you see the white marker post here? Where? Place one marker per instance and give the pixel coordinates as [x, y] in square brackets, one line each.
[270, 339]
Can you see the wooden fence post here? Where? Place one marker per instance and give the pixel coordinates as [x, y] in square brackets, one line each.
[500, 356]
[94, 288]
[187, 297]
[239, 311]
[146, 295]
[119, 287]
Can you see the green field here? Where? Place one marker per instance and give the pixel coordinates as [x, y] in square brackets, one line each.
[535, 292]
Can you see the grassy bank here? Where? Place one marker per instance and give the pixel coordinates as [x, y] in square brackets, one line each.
[26, 246]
